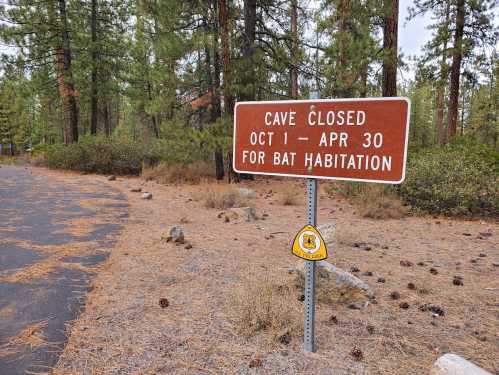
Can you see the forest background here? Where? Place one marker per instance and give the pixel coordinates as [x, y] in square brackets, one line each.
[113, 86]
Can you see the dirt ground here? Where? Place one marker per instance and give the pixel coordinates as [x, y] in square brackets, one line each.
[124, 330]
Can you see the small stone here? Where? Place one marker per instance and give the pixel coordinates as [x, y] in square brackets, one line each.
[482, 255]
[411, 286]
[367, 248]
[381, 280]
[395, 295]
[147, 196]
[188, 246]
[357, 354]
[136, 190]
[226, 219]
[406, 263]
[467, 234]
[111, 178]
[495, 264]
[367, 273]
[421, 264]
[164, 303]
[384, 247]
[457, 280]
[354, 269]
[176, 235]
[404, 305]
[301, 297]
[473, 261]
[255, 362]
[433, 271]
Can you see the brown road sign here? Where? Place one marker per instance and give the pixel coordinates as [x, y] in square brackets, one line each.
[344, 139]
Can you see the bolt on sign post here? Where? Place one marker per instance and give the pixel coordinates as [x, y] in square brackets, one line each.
[340, 139]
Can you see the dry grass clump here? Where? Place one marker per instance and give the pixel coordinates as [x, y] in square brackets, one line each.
[222, 198]
[165, 173]
[371, 201]
[266, 303]
[381, 207]
[289, 197]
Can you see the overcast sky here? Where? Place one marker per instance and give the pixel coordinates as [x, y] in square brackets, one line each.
[412, 34]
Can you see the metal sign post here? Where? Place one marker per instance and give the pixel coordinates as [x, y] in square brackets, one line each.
[343, 139]
[309, 327]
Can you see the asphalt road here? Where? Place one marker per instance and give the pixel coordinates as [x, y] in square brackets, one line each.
[41, 218]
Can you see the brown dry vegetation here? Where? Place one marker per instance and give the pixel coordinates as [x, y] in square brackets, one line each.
[219, 317]
[221, 197]
[165, 173]
[289, 196]
[371, 200]
[266, 302]
[31, 336]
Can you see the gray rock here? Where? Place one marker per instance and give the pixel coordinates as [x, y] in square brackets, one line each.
[246, 193]
[176, 235]
[335, 285]
[248, 213]
[328, 231]
[452, 364]
[146, 195]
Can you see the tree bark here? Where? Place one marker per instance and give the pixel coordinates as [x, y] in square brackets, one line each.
[363, 80]
[223, 17]
[62, 62]
[340, 86]
[440, 103]
[216, 105]
[294, 50]
[93, 80]
[390, 37]
[249, 91]
[455, 73]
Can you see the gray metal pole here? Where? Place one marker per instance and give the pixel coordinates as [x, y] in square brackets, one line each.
[309, 326]
[309, 334]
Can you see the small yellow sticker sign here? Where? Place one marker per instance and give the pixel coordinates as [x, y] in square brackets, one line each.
[309, 244]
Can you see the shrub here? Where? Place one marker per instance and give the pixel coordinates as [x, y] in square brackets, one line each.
[457, 179]
[269, 304]
[289, 197]
[222, 198]
[100, 155]
[371, 200]
[166, 173]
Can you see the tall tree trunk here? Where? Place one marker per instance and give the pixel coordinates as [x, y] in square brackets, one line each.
[62, 62]
[216, 110]
[107, 120]
[249, 90]
[93, 83]
[294, 50]
[340, 86]
[390, 36]
[223, 17]
[154, 121]
[455, 73]
[440, 102]
[363, 80]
